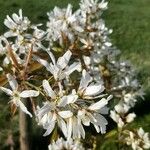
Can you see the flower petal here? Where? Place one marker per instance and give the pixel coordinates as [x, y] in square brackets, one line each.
[7, 91]
[63, 126]
[62, 62]
[72, 68]
[92, 90]
[50, 129]
[65, 114]
[67, 100]
[85, 80]
[29, 93]
[98, 105]
[130, 117]
[48, 89]
[12, 81]
[23, 108]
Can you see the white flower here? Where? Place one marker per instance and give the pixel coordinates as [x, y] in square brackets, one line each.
[121, 116]
[87, 89]
[145, 137]
[92, 6]
[130, 117]
[75, 128]
[131, 98]
[17, 25]
[139, 140]
[55, 111]
[49, 114]
[61, 144]
[16, 95]
[70, 112]
[60, 69]
[116, 117]
[62, 22]
[93, 115]
[61, 99]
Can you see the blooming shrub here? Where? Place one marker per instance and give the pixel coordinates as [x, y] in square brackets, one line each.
[82, 77]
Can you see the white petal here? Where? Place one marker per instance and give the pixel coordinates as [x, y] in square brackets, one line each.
[72, 68]
[87, 60]
[103, 5]
[100, 119]
[97, 128]
[121, 108]
[9, 23]
[43, 120]
[130, 117]
[20, 14]
[13, 83]
[48, 89]
[75, 128]
[29, 93]
[81, 130]
[49, 129]
[67, 100]
[140, 132]
[120, 123]
[6, 61]
[23, 108]
[92, 90]
[52, 57]
[63, 101]
[102, 122]
[85, 80]
[69, 127]
[9, 34]
[71, 98]
[69, 10]
[86, 121]
[114, 116]
[91, 117]
[65, 114]
[7, 91]
[103, 110]
[100, 104]
[63, 126]
[15, 18]
[62, 62]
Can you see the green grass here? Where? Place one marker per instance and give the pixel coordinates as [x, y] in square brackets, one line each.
[130, 21]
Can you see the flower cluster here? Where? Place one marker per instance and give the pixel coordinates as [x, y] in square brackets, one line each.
[120, 115]
[139, 140]
[61, 144]
[70, 110]
[81, 72]
[17, 95]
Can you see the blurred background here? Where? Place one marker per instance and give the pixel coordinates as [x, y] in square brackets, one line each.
[130, 21]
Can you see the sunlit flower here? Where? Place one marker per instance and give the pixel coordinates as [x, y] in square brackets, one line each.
[54, 111]
[94, 115]
[16, 95]
[60, 69]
